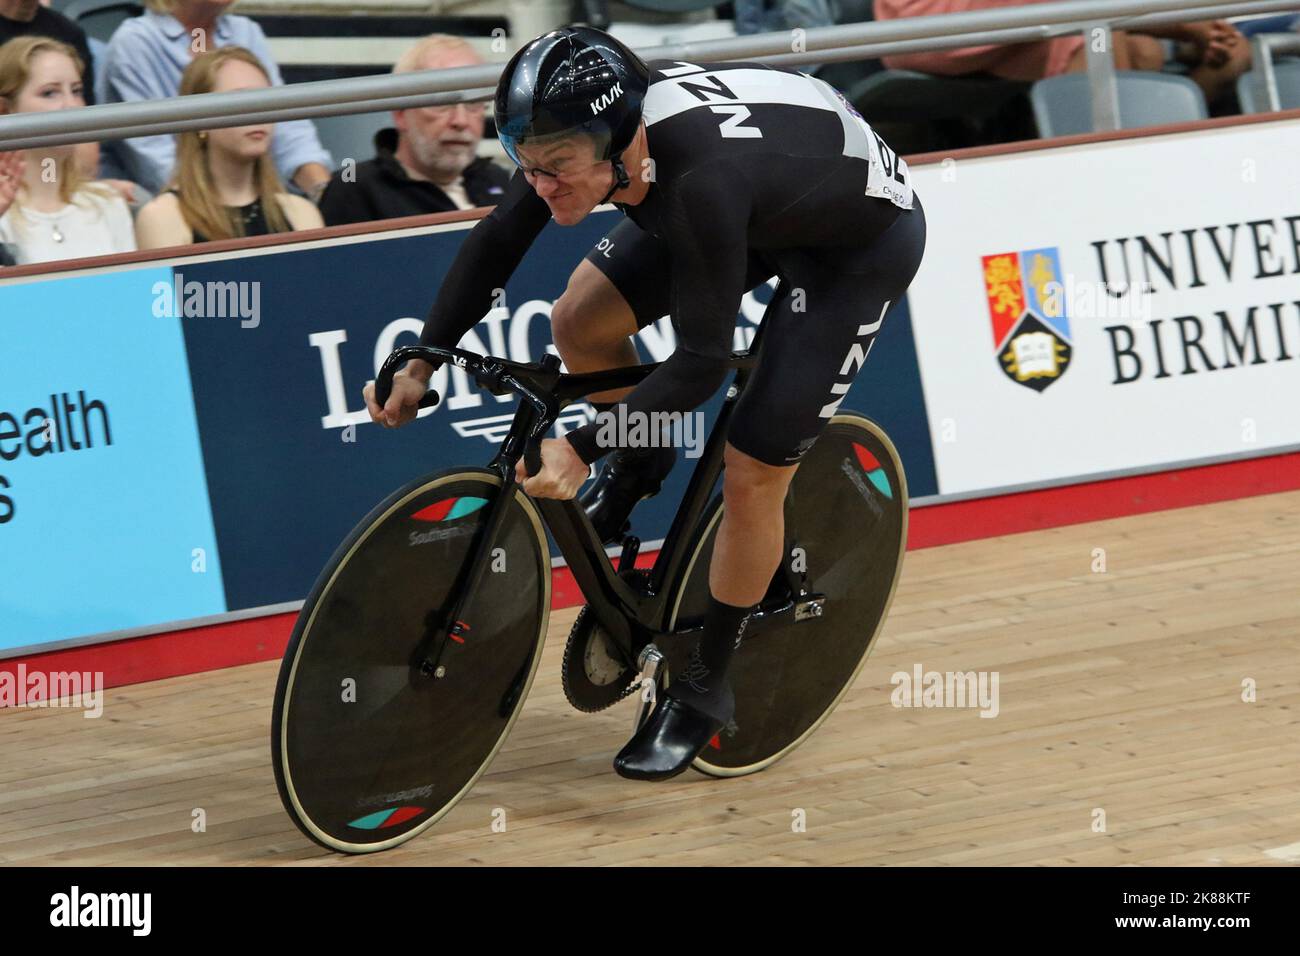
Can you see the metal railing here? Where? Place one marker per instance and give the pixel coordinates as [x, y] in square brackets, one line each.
[1265, 45]
[1095, 18]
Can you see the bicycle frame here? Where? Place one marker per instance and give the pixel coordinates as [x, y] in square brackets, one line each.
[631, 618]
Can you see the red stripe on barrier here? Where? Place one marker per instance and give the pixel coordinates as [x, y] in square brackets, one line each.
[1099, 500]
[171, 654]
[229, 644]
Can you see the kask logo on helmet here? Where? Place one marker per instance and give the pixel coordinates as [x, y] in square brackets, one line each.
[601, 102]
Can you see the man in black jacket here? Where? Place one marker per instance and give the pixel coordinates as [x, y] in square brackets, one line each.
[427, 164]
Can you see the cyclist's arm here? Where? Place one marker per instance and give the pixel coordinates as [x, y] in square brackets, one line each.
[706, 226]
[486, 260]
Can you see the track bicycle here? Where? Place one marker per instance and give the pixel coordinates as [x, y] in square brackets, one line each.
[413, 654]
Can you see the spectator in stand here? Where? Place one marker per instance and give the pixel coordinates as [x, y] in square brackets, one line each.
[768, 16]
[1214, 51]
[1218, 53]
[148, 54]
[64, 215]
[1015, 61]
[428, 163]
[20, 18]
[225, 185]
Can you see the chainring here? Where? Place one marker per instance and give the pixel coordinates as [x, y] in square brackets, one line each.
[593, 673]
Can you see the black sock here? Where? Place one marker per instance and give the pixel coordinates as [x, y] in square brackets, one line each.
[704, 684]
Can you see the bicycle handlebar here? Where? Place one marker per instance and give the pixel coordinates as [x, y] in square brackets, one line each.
[496, 375]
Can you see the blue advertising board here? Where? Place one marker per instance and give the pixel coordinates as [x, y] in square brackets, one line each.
[104, 516]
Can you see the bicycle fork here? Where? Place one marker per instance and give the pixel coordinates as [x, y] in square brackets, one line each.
[444, 625]
[449, 625]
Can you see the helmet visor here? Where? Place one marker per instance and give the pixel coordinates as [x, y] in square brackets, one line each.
[568, 151]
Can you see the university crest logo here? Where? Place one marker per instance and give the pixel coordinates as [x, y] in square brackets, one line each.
[1031, 330]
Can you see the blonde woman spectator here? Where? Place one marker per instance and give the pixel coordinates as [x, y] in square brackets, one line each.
[146, 58]
[225, 184]
[30, 18]
[54, 211]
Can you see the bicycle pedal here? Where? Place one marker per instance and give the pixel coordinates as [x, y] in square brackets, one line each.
[804, 610]
[652, 663]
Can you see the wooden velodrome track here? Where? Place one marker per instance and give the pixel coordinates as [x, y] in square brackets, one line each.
[1120, 692]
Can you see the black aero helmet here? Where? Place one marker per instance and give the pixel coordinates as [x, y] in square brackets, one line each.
[571, 80]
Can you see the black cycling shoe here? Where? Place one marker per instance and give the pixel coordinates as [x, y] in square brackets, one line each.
[667, 742]
[630, 475]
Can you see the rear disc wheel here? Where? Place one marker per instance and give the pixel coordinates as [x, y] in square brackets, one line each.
[846, 530]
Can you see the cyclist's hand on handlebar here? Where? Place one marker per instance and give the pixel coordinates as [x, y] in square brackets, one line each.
[403, 405]
[562, 471]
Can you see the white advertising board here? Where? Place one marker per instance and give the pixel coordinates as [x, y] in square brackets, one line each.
[1111, 306]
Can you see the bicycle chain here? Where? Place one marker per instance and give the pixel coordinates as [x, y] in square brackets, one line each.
[569, 646]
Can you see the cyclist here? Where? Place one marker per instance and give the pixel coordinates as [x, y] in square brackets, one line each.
[728, 174]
